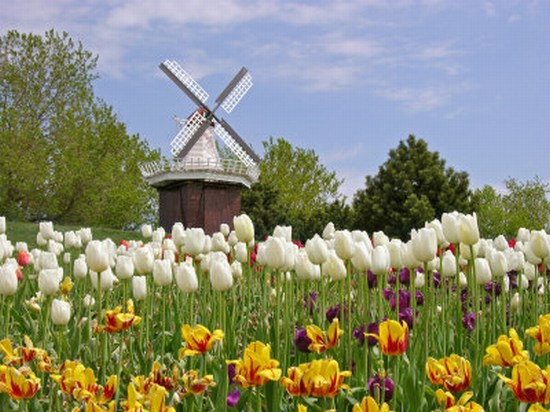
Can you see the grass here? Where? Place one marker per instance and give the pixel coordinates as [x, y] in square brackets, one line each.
[26, 232]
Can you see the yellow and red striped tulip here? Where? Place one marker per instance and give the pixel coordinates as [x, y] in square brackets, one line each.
[193, 385]
[256, 368]
[447, 402]
[393, 337]
[541, 333]
[506, 352]
[529, 382]
[321, 341]
[117, 321]
[453, 372]
[320, 378]
[18, 383]
[198, 340]
[368, 404]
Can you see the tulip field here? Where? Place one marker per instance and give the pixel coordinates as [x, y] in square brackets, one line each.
[344, 321]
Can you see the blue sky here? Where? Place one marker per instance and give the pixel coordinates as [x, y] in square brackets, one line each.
[349, 79]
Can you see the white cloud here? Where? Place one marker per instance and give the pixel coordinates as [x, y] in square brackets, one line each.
[417, 99]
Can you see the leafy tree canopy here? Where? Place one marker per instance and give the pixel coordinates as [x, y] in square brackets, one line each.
[64, 156]
[294, 186]
[523, 204]
[413, 186]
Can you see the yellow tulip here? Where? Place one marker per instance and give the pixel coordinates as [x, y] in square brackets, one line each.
[320, 378]
[392, 337]
[321, 342]
[447, 402]
[117, 321]
[529, 382]
[506, 352]
[198, 340]
[368, 404]
[256, 368]
[193, 385]
[453, 372]
[18, 383]
[541, 333]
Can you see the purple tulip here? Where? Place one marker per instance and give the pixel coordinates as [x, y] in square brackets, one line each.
[372, 280]
[469, 321]
[233, 397]
[310, 301]
[333, 312]
[405, 276]
[419, 298]
[302, 341]
[231, 373]
[493, 288]
[359, 334]
[372, 328]
[392, 279]
[406, 315]
[377, 385]
[388, 294]
[404, 300]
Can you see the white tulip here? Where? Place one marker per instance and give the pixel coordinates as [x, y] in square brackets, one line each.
[67, 258]
[48, 281]
[85, 234]
[303, 266]
[139, 287]
[523, 235]
[178, 233]
[500, 243]
[219, 243]
[361, 259]
[146, 231]
[80, 267]
[224, 229]
[328, 231]
[21, 246]
[195, 241]
[380, 239]
[462, 280]
[55, 247]
[241, 252]
[449, 224]
[2, 225]
[107, 279]
[344, 244]
[515, 301]
[46, 230]
[169, 255]
[529, 271]
[317, 250]
[498, 263]
[516, 261]
[186, 277]
[380, 260]
[483, 271]
[8, 279]
[40, 241]
[232, 239]
[334, 267]
[88, 301]
[284, 232]
[61, 312]
[468, 229]
[396, 248]
[275, 252]
[221, 277]
[419, 280]
[97, 256]
[72, 240]
[124, 268]
[244, 228]
[424, 244]
[143, 260]
[466, 251]
[438, 228]
[407, 256]
[162, 272]
[539, 244]
[237, 269]
[448, 264]
[48, 260]
[158, 235]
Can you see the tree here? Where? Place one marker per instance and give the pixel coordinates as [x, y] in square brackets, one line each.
[301, 186]
[413, 186]
[523, 204]
[64, 156]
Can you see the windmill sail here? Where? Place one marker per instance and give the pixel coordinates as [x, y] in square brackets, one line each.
[185, 82]
[191, 128]
[235, 90]
[236, 144]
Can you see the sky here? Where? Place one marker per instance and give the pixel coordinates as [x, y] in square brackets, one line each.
[349, 79]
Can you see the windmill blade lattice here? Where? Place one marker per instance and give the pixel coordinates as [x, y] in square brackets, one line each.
[188, 130]
[235, 91]
[234, 146]
[173, 69]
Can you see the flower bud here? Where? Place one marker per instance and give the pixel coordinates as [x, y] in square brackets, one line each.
[8, 280]
[195, 241]
[146, 231]
[361, 259]
[186, 277]
[97, 256]
[139, 287]
[343, 244]
[80, 268]
[61, 312]
[162, 272]
[449, 224]
[483, 271]
[380, 260]
[244, 228]
[220, 275]
[48, 281]
[143, 260]
[275, 252]
[124, 268]
[317, 250]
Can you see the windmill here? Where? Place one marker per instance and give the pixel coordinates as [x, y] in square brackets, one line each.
[199, 188]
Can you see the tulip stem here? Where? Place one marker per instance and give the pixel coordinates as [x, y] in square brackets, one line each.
[8, 302]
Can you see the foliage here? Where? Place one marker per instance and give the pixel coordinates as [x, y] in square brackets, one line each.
[295, 185]
[64, 155]
[413, 186]
[524, 204]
